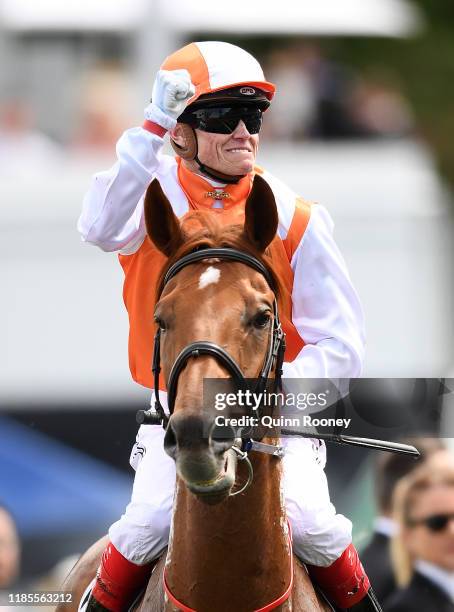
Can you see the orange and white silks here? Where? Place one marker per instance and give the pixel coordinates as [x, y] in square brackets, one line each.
[142, 268]
[325, 328]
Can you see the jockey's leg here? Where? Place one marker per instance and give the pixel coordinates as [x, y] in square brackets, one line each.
[322, 538]
[141, 534]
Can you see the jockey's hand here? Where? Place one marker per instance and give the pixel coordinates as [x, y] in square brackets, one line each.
[171, 92]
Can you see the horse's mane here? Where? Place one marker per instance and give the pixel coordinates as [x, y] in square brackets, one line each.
[203, 230]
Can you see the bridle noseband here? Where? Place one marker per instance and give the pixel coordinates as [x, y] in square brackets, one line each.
[273, 359]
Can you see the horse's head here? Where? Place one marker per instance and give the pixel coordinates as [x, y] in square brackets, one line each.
[227, 303]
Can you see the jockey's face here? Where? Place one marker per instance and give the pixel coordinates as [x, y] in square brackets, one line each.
[232, 154]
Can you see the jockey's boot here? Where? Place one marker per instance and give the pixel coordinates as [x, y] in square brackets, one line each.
[345, 583]
[118, 582]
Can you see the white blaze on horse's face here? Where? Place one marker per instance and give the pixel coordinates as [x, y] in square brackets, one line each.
[210, 277]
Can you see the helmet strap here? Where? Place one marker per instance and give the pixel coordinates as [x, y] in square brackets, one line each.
[219, 176]
[190, 153]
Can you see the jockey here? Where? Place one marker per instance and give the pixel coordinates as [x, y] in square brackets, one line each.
[210, 98]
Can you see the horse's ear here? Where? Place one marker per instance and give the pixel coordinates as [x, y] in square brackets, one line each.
[163, 227]
[261, 220]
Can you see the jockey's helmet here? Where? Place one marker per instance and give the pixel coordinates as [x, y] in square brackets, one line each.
[224, 75]
[215, 66]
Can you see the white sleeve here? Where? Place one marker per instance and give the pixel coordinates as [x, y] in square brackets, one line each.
[326, 309]
[112, 211]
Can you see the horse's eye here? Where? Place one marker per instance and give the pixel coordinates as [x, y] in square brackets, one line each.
[261, 320]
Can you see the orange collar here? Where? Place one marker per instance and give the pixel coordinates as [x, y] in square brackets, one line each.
[202, 195]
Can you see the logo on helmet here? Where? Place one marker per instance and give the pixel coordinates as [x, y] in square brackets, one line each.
[247, 91]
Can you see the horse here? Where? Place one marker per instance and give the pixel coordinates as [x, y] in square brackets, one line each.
[217, 318]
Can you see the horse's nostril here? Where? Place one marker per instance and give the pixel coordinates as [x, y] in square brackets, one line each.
[221, 438]
[196, 433]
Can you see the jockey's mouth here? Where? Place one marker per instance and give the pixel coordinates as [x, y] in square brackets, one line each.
[238, 150]
[247, 149]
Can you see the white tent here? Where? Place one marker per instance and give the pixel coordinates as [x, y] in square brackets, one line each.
[324, 17]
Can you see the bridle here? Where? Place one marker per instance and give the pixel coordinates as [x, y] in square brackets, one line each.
[273, 359]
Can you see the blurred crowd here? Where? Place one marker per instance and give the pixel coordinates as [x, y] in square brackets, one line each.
[410, 558]
[317, 99]
[321, 99]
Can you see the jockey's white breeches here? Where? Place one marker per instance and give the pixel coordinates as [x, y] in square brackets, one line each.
[319, 534]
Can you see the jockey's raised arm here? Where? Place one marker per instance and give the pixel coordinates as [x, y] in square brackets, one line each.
[112, 212]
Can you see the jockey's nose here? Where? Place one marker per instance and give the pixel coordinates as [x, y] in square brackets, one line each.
[196, 432]
[241, 130]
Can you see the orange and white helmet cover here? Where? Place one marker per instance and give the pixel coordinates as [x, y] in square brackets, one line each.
[215, 65]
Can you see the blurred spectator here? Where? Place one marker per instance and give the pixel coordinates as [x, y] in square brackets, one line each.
[105, 108]
[294, 109]
[423, 547]
[9, 549]
[390, 469]
[441, 459]
[323, 99]
[302, 73]
[378, 108]
[21, 143]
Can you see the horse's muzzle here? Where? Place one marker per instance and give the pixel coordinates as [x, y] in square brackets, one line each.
[199, 450]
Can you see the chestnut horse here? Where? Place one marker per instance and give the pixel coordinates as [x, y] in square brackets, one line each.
[226, 552]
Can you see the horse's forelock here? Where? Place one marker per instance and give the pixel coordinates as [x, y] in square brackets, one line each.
[204, 230]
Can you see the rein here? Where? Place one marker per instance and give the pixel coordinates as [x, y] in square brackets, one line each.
[273, 359]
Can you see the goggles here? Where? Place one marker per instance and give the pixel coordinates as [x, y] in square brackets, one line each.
[223, 119]
[435, 523]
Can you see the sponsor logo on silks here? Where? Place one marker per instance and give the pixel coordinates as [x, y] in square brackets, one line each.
[139, 450]
[247, 91]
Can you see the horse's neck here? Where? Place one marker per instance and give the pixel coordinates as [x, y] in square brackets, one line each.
[239, 547]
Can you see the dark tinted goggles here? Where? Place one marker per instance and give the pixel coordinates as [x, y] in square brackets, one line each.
[437, 522]
[224, 119]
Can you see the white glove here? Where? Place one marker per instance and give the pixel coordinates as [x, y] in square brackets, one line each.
[171, 92]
